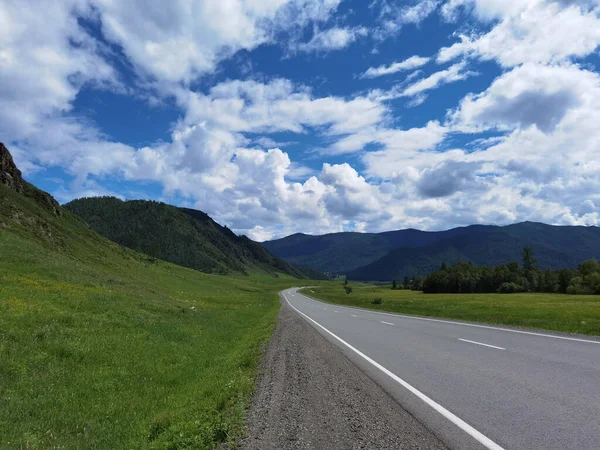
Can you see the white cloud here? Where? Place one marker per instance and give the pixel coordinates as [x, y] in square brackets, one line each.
[531, 94]
[32, 44]
[332, 39]
[534, 31]
[414, 62]
[395, 15]
[456, 72]
[418, 89]
[179, 40]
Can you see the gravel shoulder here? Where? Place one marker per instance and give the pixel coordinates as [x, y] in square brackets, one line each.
[310, 396]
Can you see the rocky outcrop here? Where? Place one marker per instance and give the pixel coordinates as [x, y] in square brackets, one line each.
[9, 174]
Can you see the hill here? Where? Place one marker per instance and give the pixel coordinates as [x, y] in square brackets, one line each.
[384, 256]
[554, 248]
[182, 236]
[339, 253]
[103, 347]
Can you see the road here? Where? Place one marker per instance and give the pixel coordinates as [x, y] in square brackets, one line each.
[473, 386]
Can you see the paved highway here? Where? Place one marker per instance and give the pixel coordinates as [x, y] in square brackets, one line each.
[473, 386]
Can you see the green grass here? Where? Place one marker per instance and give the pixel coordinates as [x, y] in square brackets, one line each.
[105, 348]
[571, 313]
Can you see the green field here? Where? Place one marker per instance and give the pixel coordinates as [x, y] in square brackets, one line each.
[571, 313]
[105, 348]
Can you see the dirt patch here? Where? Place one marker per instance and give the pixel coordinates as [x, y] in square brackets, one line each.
[310, 396]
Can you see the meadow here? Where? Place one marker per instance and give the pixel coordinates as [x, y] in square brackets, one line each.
[105, 348]
[558, 312]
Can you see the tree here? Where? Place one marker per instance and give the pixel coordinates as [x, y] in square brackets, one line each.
[417, 284]
[444, 267]
[529, 261]
[589, 267]
[406, 282]
[346, 282]
[394, 284]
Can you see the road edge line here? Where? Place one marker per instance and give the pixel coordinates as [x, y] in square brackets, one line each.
[478, 436]
[452, 322]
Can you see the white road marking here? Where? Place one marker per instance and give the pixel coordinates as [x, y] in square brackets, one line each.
[335, 311]
[352, 315]
[487, 327]
[480, 437]
[480, 343]
[387, 323]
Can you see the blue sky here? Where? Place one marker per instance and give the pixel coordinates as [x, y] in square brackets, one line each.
[315, 116]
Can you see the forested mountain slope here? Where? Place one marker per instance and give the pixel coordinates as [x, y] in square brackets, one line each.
[384, 256]
[554, 248]
[183, 236]
[343, 252]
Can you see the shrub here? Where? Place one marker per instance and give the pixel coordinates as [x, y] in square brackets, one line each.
[377, 301]
[348, 289]
[509, 288]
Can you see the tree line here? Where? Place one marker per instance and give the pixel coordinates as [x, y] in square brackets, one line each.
[512, 277]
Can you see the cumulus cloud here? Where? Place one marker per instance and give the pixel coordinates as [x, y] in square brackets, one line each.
[414, 62]
[32, 44]
[531, 94]
[448, 178]
[534, 31]
[178, 40]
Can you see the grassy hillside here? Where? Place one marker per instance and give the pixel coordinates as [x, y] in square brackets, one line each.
[571, 313]
[183, 236]
[402, 253]
[105, 348]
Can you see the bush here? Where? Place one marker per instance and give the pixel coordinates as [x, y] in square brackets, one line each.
[348, 289]
[509, 288]
[377, 301]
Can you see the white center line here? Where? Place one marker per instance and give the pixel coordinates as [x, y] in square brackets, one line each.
[479, 343]
[387, 323]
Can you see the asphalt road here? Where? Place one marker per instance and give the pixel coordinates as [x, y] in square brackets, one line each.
[473, 386]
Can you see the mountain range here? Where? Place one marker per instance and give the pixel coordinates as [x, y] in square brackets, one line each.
[396, 254]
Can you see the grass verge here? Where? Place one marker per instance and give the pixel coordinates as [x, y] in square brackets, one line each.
[105, 348]
[569, 313]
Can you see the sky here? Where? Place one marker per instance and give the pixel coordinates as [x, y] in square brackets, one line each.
[314, 116]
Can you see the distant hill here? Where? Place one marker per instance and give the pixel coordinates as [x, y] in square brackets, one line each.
[385, 256]
[182, 236]
[340, 253]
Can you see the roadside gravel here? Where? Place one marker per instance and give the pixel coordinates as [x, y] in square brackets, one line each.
[310, 396]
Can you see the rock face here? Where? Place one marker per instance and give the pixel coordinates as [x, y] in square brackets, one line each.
[9, 174]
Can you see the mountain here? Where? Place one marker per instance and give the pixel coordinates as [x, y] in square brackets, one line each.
[340, 253]
[182, 236]
[485, 249]
[385, 256]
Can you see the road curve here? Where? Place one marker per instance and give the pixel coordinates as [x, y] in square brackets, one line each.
[473, 386]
